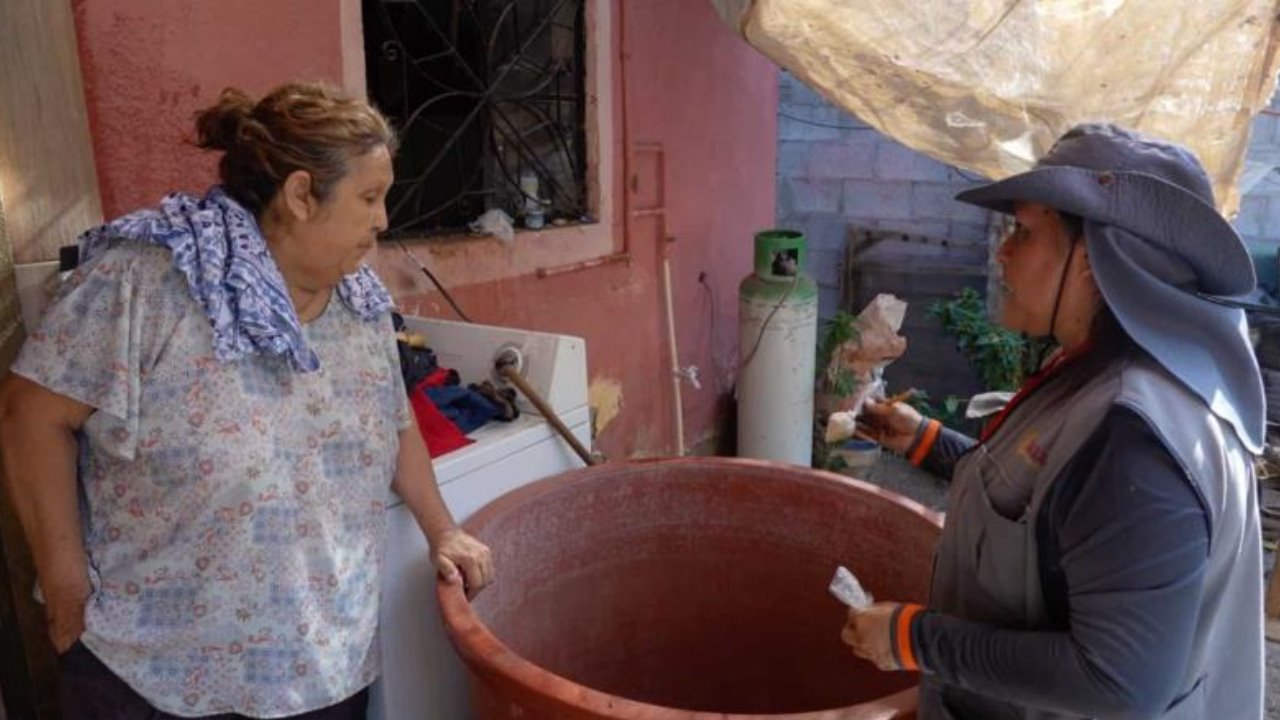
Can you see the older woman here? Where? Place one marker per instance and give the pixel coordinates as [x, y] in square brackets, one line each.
[200, 436]
[1101, 556]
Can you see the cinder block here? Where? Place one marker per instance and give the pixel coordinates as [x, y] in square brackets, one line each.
[796, 126]
[1255, 217]
[801, 195]
[1262, 132]
[788, 87]
[1269, 186]
[969, 232]
[1270, 224]
[895, 161]
[893, 251]
[853, 157]
[801, 94]
[787, 218]
[962, 178]
[793, 158]
[927, 228]
[877, 200]
[937, 201]
[1274, 122]
[825, 232]
[828, 304]
[826, 267]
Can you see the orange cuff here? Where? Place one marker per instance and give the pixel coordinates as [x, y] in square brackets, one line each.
[902, 635]
[927, 440]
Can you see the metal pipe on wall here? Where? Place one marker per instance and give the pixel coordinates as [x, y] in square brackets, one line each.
[658, 209]
[677, 399]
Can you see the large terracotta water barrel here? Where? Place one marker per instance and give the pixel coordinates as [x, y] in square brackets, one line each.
[686, 589]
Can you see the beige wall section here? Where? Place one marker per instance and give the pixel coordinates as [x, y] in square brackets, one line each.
[10, 317]
[47, 178]
[25, 655]
[48, 195]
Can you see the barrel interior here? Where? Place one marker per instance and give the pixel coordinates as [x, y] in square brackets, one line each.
[700, 585]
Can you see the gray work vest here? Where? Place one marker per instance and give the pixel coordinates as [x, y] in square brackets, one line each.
[987, 568]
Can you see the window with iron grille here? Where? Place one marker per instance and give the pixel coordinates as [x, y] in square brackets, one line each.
[488, 97]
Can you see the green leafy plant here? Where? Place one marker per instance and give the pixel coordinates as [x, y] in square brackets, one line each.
[839, 381]
[998, 355]
[950, 411]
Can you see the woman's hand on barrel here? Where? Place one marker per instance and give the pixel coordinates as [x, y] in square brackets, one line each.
[459, 557]
[871, 635]
[892, 424]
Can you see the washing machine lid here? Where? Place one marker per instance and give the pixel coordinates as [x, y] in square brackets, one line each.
[497, 441]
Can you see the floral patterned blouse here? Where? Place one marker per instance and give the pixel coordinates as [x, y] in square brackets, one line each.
[233, 512]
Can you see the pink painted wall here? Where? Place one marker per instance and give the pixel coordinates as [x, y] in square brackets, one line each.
[711, 101]
[149, 64]
[692, 87]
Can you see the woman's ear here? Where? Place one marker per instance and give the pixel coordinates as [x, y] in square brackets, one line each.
[1084, 267]
[299, 203]
[1082, 251]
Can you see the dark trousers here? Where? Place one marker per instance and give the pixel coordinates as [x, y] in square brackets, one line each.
[88, 690]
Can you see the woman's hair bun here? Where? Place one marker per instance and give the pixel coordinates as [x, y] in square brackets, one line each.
[297, 126]
[221, 125]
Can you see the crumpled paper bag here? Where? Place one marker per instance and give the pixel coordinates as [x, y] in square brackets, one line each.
[875, 344]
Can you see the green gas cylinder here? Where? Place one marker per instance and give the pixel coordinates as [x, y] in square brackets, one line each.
[777, 341]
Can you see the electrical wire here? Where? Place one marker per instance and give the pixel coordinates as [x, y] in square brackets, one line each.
[721, 375]
[795, 280]
[815, 123]
[967, 175]
[431, 276]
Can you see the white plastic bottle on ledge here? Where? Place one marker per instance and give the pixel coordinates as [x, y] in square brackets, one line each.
[534, 219]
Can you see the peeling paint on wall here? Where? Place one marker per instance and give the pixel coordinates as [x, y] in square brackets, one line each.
[605, 398]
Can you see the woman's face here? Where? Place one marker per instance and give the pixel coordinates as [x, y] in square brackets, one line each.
[334, 239]
[1032, 257]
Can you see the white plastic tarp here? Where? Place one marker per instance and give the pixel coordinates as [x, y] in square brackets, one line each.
[988, 85]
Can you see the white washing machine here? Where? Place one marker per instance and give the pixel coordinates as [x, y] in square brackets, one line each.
[422, 676]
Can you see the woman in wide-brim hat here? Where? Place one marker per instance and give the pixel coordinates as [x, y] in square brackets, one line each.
[1101, 555]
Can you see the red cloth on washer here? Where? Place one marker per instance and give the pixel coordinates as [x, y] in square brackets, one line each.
[439, 432]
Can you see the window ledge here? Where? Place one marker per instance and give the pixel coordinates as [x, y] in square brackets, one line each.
[463, 259]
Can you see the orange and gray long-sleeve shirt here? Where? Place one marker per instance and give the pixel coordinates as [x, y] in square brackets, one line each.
[1123, 546]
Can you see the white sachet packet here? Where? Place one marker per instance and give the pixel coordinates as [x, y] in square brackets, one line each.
[846, 588]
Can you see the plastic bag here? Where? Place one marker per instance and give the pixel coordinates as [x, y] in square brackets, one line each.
[495, 222]
[875, 344]
[988, 85]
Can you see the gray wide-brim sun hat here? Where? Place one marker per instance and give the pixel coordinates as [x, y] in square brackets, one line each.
[1157, 247]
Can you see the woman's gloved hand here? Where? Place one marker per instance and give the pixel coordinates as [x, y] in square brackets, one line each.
[882, 635]
[893, 425]
[459, 557]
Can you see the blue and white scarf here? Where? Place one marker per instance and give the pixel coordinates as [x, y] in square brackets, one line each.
[219, 248]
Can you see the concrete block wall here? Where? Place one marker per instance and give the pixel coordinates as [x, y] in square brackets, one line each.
[1259, 217]
[834, 170]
